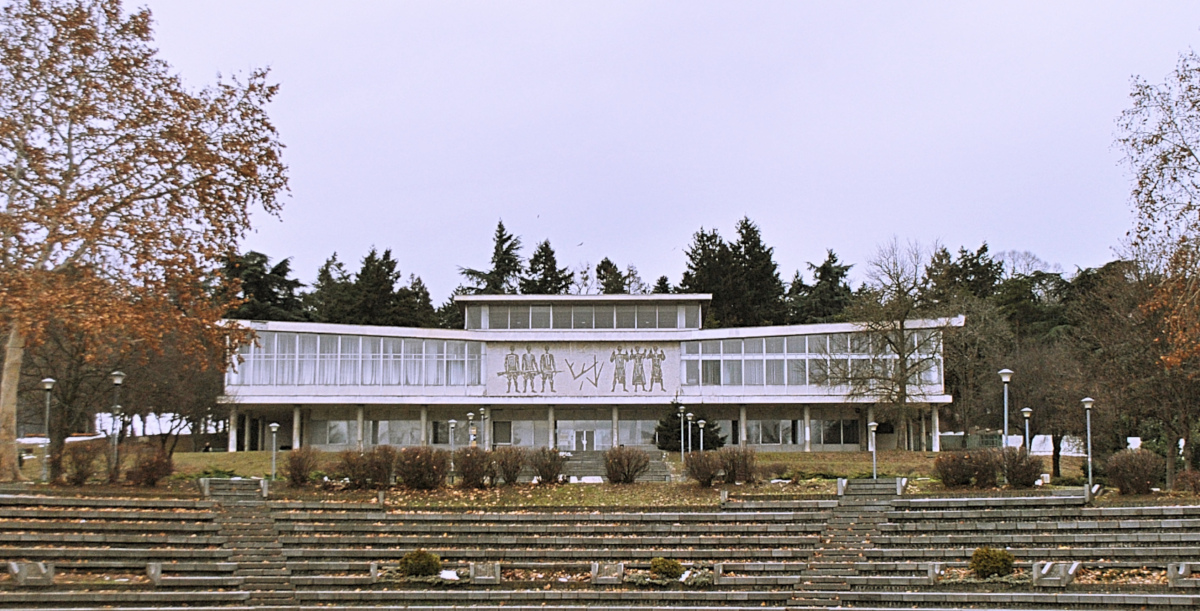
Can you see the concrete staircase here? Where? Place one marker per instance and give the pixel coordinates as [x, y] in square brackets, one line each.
[253, 542]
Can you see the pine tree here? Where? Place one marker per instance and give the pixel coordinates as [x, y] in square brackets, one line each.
[268, 294]
[503, 277]
[610, 278]
[668, 429]
[544, 277]
[709, 270]
[663, 286]
[333, 295]
[375, 291]
[972, 274]
[823, 301]
[758, 299]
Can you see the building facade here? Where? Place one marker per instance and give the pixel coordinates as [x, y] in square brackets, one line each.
[580, 373]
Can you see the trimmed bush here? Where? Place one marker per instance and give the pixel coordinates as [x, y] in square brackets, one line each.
[367, 469]
[702, 467]
[1020, 469]
[509, 462]
[987, 562]
[475, 467]
[79, 460]
[420, 563]
[1135, 471]
[624, 465]
[422, 467]
[299, 465]
[954, 469]
[1188, 481]
[740, 464]
[775, 470]
[985, 468]
[150, 466]
[666, 568]
[548, 465]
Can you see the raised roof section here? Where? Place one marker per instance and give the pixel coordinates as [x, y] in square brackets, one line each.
[583, 312]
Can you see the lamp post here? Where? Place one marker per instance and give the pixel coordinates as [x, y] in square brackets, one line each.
[701, 423]
[471, 429]
[117, 378]
[47, 385]
[1027, 412]
[453, 424]
[1006, 377]
[681, 410]
[274, 426]
[689, 431]
[483, 428]
[871, 426]
[1087, 409]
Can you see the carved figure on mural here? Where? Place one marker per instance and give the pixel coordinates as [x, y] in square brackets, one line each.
[529, 369]
[619, 358]
[512, 369]
[656, 373]
[546, 361]
[639, 371]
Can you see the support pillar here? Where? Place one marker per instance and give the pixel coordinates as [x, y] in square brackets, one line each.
[296, 427]
[923, 432]
[616, 427]
[552, 442]
[937, 429]
[742, 437]
[233, 428]
[359, 417]
[424, 425]
[262, 434]
[807, 428]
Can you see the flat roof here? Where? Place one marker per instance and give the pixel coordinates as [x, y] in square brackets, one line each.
[571, 299]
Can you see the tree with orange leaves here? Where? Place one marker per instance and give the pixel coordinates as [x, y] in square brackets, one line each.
[121, 191]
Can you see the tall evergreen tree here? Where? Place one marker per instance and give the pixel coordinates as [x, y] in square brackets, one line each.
[971, 274]
[268, 293]
[332, 297]
[544, 277]
[610, 278]
[709, 270]
[759, 296]
[823, 301]
[374, 301]
[663, 286]
[505, 273]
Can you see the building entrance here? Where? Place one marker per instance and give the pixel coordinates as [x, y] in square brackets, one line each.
[584, 435]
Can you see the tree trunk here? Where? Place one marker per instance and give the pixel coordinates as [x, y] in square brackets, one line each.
[1056, 456]
[1172, 456]
[10, 379]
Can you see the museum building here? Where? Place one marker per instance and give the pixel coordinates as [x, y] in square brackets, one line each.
[579, 372]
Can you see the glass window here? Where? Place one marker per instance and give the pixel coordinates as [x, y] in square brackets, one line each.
[539, 317]
[435, 356]
[731, 372]
[327, 360]
[753, 431]
[753, 346]
[414, 357]
[518, 317]
[474, 317]
[710, 347]
[850, 431]
[582, 317]
[775, 372]
[350, 360]
[691, 317]
[753, 372]
[691, 347]
[497, 317]
[562, 317]
[839, 343]
[860, 343]
[818, 344]
[796, 374]
[711, 373]
[338, 432]
[770, 431]
[605, 317]
[795, 344]
[372, 364]
[626, 317]
[456, 363]
[775, 345]
[647, 317]
[861, 369]
[832, 434]
[441, 432]
[691, 373]
[818, 372]
[309, 345]
[817, 431]
[502, 432]
[731, 346]
[668, 317]
[839, 372]
[285, 359]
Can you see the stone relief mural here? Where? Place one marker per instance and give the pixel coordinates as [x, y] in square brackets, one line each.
[586, 369]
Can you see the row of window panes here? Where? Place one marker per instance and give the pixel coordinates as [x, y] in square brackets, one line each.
[584, 317]
[795, 372]
[834, 343]
[285, 359]
[791, 432]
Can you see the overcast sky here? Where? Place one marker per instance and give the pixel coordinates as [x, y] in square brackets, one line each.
[619, 129]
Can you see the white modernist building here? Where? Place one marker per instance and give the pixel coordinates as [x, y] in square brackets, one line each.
[579, 372]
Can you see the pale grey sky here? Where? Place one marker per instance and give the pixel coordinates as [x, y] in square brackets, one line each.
[620, 128]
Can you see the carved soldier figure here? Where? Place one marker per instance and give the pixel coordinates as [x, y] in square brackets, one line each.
[639, 372]
[618, 359]
[512, 369]
[548, 369]
[656, 359]
[529, 368]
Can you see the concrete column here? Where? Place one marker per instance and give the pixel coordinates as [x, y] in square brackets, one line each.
[742, 437]
[807, 428]
[936, 426]
[361, 431]
[923, 432]
[553, 441]
[262, 434]
[296, 428]
[616, 419]
[233, 428]
[424, 425]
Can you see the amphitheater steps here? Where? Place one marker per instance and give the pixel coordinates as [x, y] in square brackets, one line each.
[255, 548]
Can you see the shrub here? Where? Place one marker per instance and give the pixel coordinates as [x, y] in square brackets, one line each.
[423, 467]
[149, 467]
[548, 465]
[775, 470]
[985, 468]
[1135, 471]
[702, 467]
[366, 469]
[79, 460]
[509, 462]
[475, 467]
[987, 561]
[1188, 481]
[299, 465]
[666, 568]
[738, 463]
[420, 563]
[954, 469]
[1020, 469]
[624, 465]
[381, 465]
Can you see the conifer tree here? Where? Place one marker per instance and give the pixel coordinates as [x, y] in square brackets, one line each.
[823, 301]
[505, 273]
[610, 278]
[332, 297]
[267, 293]
[544, 277]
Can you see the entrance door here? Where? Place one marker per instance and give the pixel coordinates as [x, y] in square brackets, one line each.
[585, 440]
